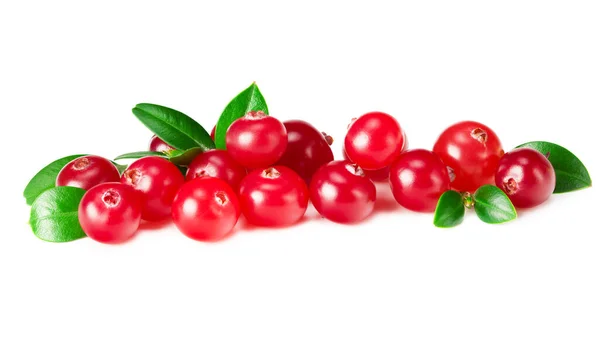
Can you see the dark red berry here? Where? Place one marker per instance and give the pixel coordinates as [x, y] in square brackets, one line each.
[158, 180]
[342, 193]
[110, 212]
[159, 145]
[273, 197]
[256, 140]
[307, 149]
[418, 178]
[374, 140]
[526, 176]
[212, 133]
[87, 172]
[205, 209]
[472, 151]
[217, 164]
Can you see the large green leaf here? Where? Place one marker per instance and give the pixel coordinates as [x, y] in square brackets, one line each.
[54, 214]
[46, 178]
[248, 100]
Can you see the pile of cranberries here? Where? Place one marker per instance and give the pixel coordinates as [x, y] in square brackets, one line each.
[271, 170]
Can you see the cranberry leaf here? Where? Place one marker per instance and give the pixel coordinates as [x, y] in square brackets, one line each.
[175, 128]
[251, 99]
[571, 174]
[449, 211]
[184, 158]
[54, 214]
[46, 178]
[493, 206]
[140, 154]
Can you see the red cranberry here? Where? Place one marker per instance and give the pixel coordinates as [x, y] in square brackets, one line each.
[342, 193]
[472, 151]
[87, 172]
[526, 176]
[418, 178]
[110, 212]
[206, 209]
[218, 164]
[256, 140]
[307, 149]
[158, 180]
[273, 197]
[374, 140]
[159, 145]
[212, 133]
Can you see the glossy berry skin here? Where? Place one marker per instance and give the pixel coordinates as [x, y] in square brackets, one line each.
[418, 178]
[383, 174]
[159, 145]
[274, 197]
[307, 149]
[158, 180]
[205, 209]
[86, 172]
[219, 164]
[526, 176]
[342, 193]
[472, 151]
[256, 140]
[212, 133]
[110, 212]
[374, 140]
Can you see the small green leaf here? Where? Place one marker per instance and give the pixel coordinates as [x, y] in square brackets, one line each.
[140, 154]
[46, 178]
[248, 100]
[54, 214]
[571, 174]
[120, 168]
[175, 128]
[184, 158]
[450, 210]
[493, 206]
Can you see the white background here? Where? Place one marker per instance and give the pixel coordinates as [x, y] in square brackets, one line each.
[71, 72]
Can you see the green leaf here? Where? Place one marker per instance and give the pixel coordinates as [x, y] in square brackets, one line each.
[54, 214]
[141, 154]
[175, 128]
[248, 100]
[46, 178]
[184, 158]
[571, 174]
[450, 210]
[120, 168]
[493, 206]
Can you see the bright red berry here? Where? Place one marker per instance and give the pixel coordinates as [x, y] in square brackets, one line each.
[342, 193]
[218, 164]
[418, 178]
[159, 145]
[526, 176]
[374, 140]
[110, 212]
[212, 133]
[256, 140]
[307, 149]
[274, 197]
[87, 172]
[472, 151]
[205, 209]
[158, 180]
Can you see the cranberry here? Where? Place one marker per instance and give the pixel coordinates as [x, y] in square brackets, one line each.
[212, 133]
[159, 145]
[219, 164]
[526, 176]
[205, 209]
[472, 151]
[307, 149]
[110, 212]
[418, 178]
[158, 180]
[256, 140]
[87, 172]
[342, 193]
[374, 140]
[274, 197]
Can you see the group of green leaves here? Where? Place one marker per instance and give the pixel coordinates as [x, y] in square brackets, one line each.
[493, 206]
[54, 209]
